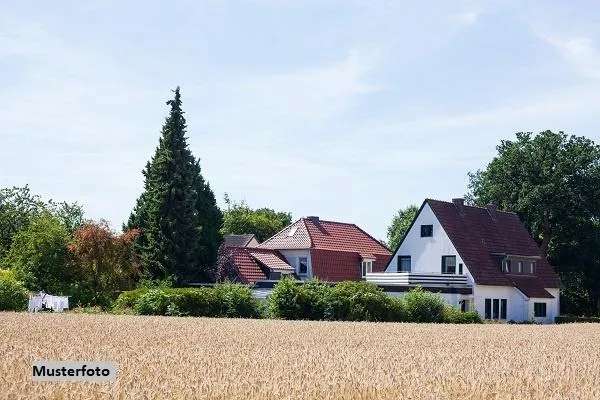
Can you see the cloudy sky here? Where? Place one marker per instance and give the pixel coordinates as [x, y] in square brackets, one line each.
[346, 110]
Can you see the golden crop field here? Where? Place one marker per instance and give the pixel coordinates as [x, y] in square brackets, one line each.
[167, 357]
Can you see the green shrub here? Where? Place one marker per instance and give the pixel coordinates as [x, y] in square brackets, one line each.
[13, 295]
[194, 302]
[128, 299]
[224, 300]
[455, 316]
[423, 306]
[397, 310]
[282, 302]
[235, 301]
[291, 300]
[358, 301]
[155, 302]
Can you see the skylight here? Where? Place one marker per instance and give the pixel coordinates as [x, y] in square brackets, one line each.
[292, 230]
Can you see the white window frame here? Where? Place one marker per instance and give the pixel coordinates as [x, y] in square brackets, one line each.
[366, 267]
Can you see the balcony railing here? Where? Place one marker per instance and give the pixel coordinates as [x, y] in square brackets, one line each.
[415, 278]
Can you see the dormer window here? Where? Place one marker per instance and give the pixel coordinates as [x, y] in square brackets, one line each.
[426, 230]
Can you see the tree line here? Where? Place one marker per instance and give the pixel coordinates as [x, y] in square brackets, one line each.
[551, 180]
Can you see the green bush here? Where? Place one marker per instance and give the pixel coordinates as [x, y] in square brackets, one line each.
[291, 300]
[13, 295]
[455, 316]
[423, 306]
[223, 300]
[359, 301]
[155, 302]
[128, 299]
[235, 301]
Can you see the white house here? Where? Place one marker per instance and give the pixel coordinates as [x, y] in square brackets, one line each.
[476, 258]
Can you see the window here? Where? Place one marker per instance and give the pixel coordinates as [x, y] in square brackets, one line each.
[448, 264]
[539, 310]
[366, 267]
[507, 265]
[520, 267]
[460, 269]
[496, 309]
[532, 267]
[292, 230]
[488, 308]
[404, 264]
[302, 265]
[426, 230]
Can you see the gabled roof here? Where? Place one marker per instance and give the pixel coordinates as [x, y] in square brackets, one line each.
[238, 240]
[255, 264]
[313, 233]
[478, 234]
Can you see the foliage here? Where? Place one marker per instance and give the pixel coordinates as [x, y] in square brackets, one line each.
[358, 301]
[236, 301]
[103, 263]
[400, 225]
[452, 315]
[424, 306]
[177, 212]
[291, 300]
[39, 256]
[128, 299]
[18, 207]
[553, 182]
[566, 319]
[13, 295]
[222, 300]
[262, 222]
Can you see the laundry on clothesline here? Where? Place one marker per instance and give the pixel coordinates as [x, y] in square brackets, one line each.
[43, 301]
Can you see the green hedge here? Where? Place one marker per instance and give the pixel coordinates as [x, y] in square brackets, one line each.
[13, 295]
[222, 300]
[565, 319]
[359, 301]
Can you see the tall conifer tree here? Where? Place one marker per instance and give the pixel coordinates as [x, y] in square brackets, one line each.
[177, 212]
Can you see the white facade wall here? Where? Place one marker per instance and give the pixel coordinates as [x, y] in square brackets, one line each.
[426, 252]
[516, 302]
[292, 257]
[552, 307]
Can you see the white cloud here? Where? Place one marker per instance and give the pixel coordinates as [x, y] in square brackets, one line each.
[579, 51]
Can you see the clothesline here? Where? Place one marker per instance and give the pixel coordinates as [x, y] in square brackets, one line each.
[42, 301]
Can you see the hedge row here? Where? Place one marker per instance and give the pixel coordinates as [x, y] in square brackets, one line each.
[359, 301]
[565, 319]
[223, 300]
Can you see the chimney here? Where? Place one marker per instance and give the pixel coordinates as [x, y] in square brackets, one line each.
[313, 219]
[459, 202]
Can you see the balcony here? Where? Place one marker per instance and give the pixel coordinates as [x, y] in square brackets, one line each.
[416, 278]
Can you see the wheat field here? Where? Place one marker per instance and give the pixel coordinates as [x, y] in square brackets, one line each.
[181, 358]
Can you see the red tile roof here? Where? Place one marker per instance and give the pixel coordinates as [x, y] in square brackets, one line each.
[272, 259]
[311, 233]
[254, 264]
[336, 248]
[478, 233]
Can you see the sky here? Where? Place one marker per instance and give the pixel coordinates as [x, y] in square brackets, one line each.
[348, 110]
